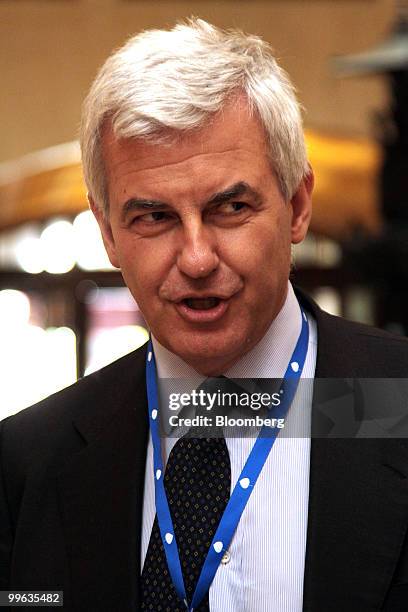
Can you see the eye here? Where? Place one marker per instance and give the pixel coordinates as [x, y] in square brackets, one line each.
[152, 223]
[152, 218]
[237, 206]
[230, 214]
[231, 208]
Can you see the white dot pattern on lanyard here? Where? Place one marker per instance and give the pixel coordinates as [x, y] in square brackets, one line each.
[218, 546]
[244, 482]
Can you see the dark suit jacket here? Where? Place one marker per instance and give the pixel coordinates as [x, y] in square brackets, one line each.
[72, 477]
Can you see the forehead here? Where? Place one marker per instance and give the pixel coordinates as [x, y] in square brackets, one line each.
[232, 142]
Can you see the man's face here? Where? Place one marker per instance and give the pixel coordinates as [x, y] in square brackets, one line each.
[203, 236]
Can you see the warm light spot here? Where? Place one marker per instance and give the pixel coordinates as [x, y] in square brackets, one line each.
[29, 253]
[90, 252]
[14, 309]
[57, 241]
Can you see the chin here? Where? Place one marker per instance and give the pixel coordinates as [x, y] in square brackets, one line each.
[208, 354]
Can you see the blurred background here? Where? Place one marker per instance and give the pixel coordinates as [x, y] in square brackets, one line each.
[64, 312]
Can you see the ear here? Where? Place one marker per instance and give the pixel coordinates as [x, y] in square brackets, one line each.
[301, 204]
[106, 231]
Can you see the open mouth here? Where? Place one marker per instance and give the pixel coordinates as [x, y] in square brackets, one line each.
[202, 303]
[202, 310]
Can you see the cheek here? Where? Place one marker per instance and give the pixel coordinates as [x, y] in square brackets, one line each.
[275, 241]
[260, 254]
[143, 265]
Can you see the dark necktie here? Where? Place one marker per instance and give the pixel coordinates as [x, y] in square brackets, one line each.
[197, 482]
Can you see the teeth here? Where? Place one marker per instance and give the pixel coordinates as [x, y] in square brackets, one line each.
[202, 303]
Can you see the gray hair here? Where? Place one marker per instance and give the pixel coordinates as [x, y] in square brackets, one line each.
[162, 84]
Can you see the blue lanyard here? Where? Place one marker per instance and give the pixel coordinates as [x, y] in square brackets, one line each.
[243, 488]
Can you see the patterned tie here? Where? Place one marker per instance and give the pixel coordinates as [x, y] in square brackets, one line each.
[197, 482]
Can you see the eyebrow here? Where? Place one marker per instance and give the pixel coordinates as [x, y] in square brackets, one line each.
[234, 191]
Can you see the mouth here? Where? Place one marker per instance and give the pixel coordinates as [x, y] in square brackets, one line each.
[206, 309]
[202, 303]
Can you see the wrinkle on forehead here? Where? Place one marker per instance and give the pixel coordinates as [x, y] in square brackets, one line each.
[198, 157]
[218, 135]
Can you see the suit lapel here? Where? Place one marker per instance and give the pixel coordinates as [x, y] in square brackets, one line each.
[357, 502]
[101, 495]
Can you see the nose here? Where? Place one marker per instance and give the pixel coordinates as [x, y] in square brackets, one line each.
[197, 256]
